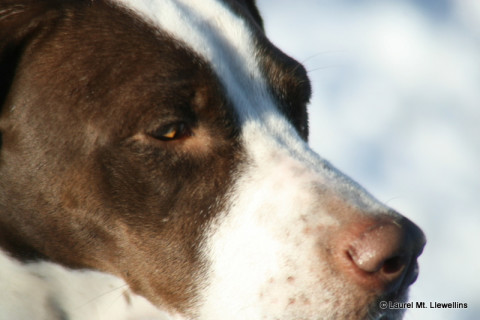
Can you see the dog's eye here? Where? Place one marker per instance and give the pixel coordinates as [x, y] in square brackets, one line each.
[171, 132]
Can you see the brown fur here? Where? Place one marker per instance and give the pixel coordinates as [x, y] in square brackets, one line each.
[82, 181]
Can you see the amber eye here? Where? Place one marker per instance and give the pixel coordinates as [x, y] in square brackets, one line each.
[171, 132]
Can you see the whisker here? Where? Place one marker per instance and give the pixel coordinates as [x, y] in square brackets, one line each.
[86, 303]
[322, 53]
[387, 202]
[322, 68]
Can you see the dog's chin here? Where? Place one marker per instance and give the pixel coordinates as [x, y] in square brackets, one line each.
[388, 315]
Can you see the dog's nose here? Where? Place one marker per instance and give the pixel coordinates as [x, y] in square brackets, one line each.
[382, 255]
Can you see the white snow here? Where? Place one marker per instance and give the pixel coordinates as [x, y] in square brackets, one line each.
[396, 106]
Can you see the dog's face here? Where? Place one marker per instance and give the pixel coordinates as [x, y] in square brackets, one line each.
[164, 142]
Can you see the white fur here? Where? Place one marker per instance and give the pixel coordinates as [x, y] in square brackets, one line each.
[46, 291]
[266, 251]
[264, 263]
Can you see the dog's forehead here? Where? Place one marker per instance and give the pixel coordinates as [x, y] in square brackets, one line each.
[230, 41]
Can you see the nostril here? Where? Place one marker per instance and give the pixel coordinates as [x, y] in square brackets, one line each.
[393, 265]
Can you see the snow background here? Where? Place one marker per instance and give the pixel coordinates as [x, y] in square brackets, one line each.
[396, 105]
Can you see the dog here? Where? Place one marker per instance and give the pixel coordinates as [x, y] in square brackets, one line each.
[154, 164]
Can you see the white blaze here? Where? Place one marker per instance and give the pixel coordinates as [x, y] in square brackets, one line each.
[263, 257]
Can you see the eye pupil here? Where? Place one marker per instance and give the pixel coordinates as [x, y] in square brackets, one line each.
[171, 133]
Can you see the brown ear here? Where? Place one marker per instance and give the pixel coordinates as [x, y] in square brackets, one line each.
[19, 22]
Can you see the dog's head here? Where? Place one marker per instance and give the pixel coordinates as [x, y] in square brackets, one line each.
[165, 142]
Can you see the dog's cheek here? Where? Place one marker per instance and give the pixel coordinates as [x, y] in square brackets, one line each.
[136, 183]
[163, 202]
